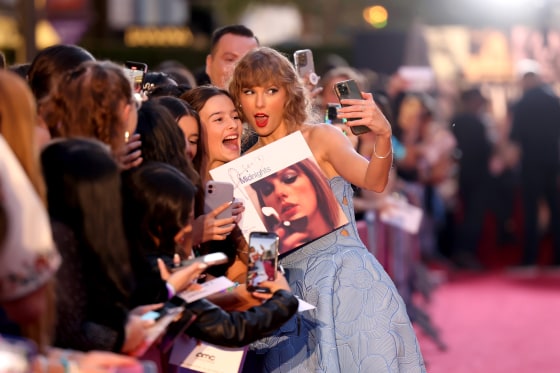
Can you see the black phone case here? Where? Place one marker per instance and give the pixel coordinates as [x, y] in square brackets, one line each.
[348, 89]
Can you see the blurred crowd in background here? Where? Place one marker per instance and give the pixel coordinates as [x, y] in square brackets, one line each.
[473, 174]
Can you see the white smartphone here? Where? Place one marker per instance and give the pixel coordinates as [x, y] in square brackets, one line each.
[263, 259]
[216, 193]
[305, 67]
[211, 259]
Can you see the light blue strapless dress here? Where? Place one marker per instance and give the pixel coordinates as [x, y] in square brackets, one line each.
[360, 323]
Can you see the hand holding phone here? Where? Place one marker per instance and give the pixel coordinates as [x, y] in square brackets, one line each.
[170, 321]
[135, 72]
[348, 89]
[305, 67]
[130, 155]
[263, 260]
[208, 259]
[181, 277]
[216, 193]
[270, 287]
[173, 305]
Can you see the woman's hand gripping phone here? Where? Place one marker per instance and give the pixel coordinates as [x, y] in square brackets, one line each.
[210, 227]
[262, 266]
[279, 283]
[182, 277]
[130, 155]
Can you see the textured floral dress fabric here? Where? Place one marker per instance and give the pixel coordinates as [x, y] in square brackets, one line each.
[360, 323]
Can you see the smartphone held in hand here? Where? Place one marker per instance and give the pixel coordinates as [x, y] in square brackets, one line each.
[216, 193]
[135, 72]
[263, 259]
[211, 259]
[305, 67]
[348, 89]
[170, 322]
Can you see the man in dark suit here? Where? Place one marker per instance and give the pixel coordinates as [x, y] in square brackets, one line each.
[536, 130]
[475, 150]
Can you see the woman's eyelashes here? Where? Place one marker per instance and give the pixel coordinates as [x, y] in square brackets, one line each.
[270, 91]
[289, 177]
[218, 119]
[193, 140]
[221, 119]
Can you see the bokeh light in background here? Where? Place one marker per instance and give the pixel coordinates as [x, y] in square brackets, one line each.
[45, 34]
[274, 24]
[158, 37]
[376, 15]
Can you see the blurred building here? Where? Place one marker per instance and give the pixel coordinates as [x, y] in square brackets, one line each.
[28, 25]
[472, 40]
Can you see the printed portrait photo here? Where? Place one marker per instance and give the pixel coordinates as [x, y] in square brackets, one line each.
[297, 203]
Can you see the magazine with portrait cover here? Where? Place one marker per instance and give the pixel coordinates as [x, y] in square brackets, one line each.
[284, 191]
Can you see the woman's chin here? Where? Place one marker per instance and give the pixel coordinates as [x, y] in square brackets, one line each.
[231, 154]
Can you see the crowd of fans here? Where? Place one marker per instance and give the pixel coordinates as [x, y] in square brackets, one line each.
[102, 195]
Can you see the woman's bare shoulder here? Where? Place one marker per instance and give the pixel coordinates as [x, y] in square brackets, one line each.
[321, 135]
[323, 140]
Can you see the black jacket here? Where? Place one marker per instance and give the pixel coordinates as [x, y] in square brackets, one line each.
[235, 328]
[91, 313]
[536, 127]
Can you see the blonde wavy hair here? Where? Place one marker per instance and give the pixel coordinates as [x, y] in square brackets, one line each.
[18, 118]
[265, 66]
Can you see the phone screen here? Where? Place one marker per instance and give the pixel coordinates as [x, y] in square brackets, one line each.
[331, 114]
[135, 72]
[263, 258]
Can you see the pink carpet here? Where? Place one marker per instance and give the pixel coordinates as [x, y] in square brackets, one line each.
[496, 322]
